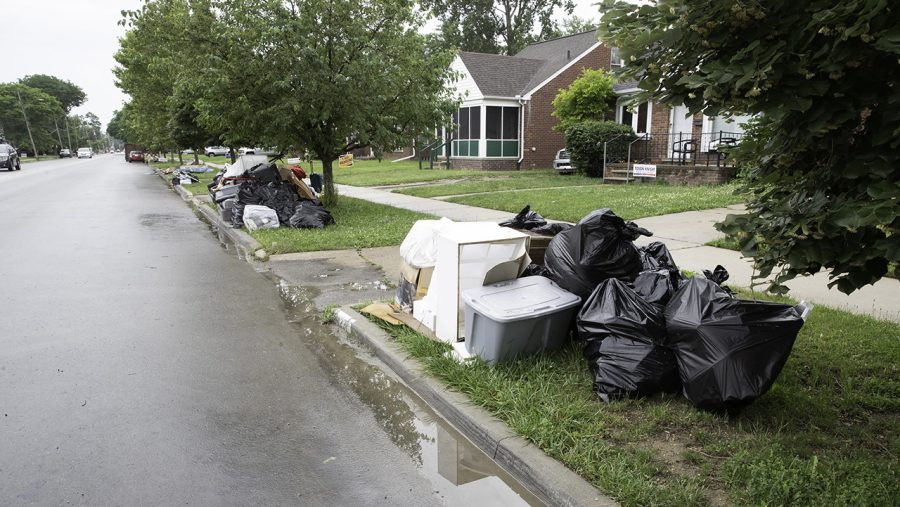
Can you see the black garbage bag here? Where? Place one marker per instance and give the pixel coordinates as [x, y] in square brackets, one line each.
[623, 343]
[310, 215]
[719, 274]
[551, 229]
[264, 173]
[315, 181]
[655, 256]
[729, 351]
[525, 220]
[600, 246]
[535, 270]
[658, 286]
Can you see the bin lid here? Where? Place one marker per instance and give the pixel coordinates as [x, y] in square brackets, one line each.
[519, 299]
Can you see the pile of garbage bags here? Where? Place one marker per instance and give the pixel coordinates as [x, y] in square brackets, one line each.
[266, 197]
[646, 328]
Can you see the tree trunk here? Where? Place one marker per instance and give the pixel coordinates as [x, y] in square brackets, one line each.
[180, 160]
[328, 190]
[27, 125]
[196, 158]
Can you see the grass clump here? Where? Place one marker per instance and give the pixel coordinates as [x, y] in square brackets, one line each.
[358, 224]
[628, 201]
[824, 435]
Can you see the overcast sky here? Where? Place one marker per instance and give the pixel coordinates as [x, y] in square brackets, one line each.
[75, 40]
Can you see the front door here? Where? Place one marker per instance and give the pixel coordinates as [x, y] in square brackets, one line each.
[681, 125]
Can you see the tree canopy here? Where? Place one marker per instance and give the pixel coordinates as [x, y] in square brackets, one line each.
[590, 97]
[488, 26]
[824, 79]
[18, 102]
[68, 94]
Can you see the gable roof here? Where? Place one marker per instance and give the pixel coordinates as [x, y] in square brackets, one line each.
[557, 53]
[509, 76]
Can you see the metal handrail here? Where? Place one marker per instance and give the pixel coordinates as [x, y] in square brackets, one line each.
[435, 153]
[603, 174]
[428, 149]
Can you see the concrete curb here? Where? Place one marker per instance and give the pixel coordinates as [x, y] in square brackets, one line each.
[547, 478]
[243, 241]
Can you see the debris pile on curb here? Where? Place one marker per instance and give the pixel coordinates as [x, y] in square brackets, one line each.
[644, 326]
[258, 194]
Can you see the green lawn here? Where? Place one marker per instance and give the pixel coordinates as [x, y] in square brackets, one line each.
[628, 201]
[371, 173]
[498, 182]
[358, 224]
[826, 434]
[38, 158]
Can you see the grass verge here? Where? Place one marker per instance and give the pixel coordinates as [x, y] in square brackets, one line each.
[628, 201]
[824, 435]
[358, 224]
[505, 181]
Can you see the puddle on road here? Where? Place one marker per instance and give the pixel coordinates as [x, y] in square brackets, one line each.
[460, 473]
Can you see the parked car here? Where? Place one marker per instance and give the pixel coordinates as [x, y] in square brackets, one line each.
[85, 153]
[257, 151]
[562, 163]
[65, 153]
[216, 151]
[9, 158]
[136, 156]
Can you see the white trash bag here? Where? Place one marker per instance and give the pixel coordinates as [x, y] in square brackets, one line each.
[260, 217]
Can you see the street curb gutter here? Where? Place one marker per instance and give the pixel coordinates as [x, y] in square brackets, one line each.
[246, 243]
[549, 479]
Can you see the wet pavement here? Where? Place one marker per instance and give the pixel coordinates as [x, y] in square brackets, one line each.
[142, 362]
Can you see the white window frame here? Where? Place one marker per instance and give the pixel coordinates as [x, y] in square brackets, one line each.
[634, 117]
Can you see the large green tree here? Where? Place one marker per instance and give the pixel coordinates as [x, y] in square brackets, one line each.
[325, 76]
[825, 156]
[488, 26]
[27, 116]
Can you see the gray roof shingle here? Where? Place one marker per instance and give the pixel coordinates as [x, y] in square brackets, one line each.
[508, 76]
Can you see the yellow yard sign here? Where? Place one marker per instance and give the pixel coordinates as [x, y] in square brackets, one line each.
[345, 160]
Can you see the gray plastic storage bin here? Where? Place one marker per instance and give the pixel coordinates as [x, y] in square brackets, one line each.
[517, 318]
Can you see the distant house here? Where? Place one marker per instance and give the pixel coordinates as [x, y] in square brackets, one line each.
[505, 121]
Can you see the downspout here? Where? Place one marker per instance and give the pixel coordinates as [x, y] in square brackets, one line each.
[522, 102]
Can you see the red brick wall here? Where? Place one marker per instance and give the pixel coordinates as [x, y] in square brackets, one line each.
[687, 174]
[541, 141]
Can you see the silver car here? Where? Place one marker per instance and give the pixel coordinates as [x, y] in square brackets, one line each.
[562, 163]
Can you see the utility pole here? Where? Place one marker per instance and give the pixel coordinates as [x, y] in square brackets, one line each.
[58, 136]
[68, 135]
[27, 125]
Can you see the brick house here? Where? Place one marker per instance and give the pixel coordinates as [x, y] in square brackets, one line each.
[505, 121]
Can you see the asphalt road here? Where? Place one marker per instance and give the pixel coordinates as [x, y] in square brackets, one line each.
[140, 363]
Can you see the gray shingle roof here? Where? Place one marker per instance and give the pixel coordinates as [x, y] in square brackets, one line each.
[498, 75]
[508, 76]
[556, 53]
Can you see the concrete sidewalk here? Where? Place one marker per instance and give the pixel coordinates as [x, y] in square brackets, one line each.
[456, 212]
[685, 234]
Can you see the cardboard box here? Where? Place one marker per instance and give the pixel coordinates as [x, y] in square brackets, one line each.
[413, 285]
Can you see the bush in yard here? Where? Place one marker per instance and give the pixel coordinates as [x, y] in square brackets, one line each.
[584, 142]
[589, 97]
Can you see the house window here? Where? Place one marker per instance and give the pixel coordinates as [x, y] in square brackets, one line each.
[502, 129]
[638, 118]
[615, 61]
[468, 131]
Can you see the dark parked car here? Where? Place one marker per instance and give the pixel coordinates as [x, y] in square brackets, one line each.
[9, 158]
[136, 156]
[65, 153]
